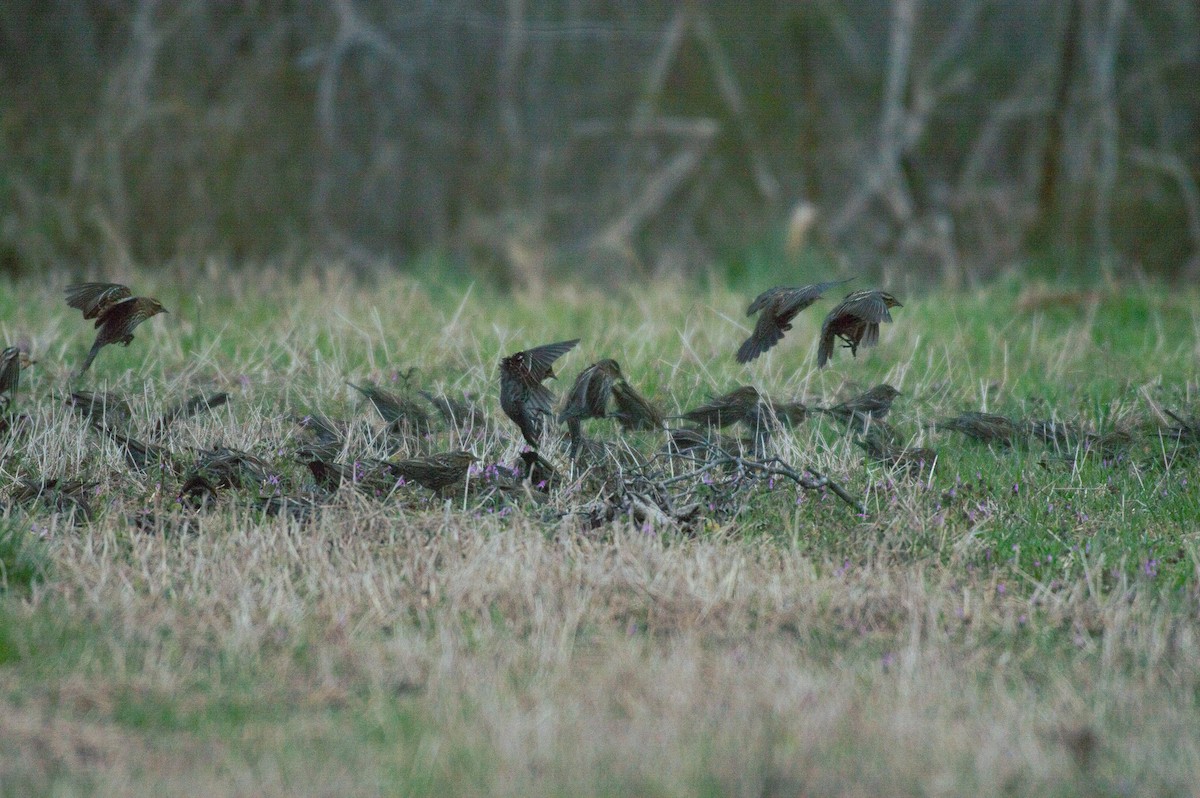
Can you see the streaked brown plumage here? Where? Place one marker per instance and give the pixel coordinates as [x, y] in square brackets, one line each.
[740, 404]
[67, 496]
[436, 471]
[462, 413]
[984, 427]
[1055, 433]
[12, 360]
[859, 411]
[101, 408]
[220, 468]
[776, 308]
[116, 312]
[855, 321]
[140, 455]
[523, 398]
[634, 411]
[398, 411]
[880, 444]
[190, 407]
[588, 398]
[788, 413]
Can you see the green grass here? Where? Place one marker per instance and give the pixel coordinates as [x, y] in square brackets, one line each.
[963, 635]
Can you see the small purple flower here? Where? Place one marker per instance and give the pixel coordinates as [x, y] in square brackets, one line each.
[1001, 589]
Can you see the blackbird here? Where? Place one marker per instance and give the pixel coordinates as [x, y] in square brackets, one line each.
[776, 308]
[856, 321]
[523, 398]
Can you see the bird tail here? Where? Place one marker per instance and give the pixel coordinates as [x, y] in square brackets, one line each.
[87, 363]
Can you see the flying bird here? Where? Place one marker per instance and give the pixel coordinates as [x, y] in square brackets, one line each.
[856, 321]
[116, 311]
[12, 360]
[776, 307]
[523, 398]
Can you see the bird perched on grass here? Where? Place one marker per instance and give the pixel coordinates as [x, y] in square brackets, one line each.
[856, 321]
[984, 427]
[865, 408]
[523, 398]
[398, 411]
[116, 311]
[436, 471]
[740, 404]
[101, 408]
[462, 413]
[776, 308]
[12, 360]
[880, 444]
[188, 408]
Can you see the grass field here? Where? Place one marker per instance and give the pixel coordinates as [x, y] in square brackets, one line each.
[1017, 621]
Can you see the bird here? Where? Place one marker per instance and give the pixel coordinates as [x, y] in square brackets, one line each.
[740, 404]
[116, 311]
[861, 410]
[879, 442]
[463, 413]
[634, 411]
[776, 308]
[395, 409]
[188, 408]
[523, 398]
[856, 321]
[984, 427]
[435, 471]
[588, 397]
[12, 360]
[101, 408]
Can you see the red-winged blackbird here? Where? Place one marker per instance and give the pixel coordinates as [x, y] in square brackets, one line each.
[867, 407]
[116, 312]
[634, 411]
[396, 410]
[221, 468]
[67, 496]
[683, 440]
[776, 308]
[984, 427]
[856, 321]
[435, 472]
[462, 413]
[523, 398]
[190, 407]
[139, 454]
[101, 408]
[879, 442]
[588, 397]
[12, 360]
[1056, 433]
[788, 413]
[740, 404]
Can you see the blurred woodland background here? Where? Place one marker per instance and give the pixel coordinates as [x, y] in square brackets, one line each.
[946, 140]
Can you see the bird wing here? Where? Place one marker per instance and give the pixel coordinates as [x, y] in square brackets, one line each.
[541, 358]
[10, 369]
[93, 298]
[868, 306]
[767, 333]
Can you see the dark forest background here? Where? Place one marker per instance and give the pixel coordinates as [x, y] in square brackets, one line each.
[527, 140]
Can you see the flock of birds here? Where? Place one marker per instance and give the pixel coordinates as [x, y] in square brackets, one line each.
[599, 391]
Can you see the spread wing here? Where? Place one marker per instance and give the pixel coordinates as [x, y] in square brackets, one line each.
[541, 358]
[94, 298]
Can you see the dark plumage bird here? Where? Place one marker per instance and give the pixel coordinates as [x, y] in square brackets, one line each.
[116, 311]
[865, 408]
[398, 411]
[190, 407]
[1055, 433]
[12, 360]
[787, 413]
[634, 411]
[856, 321]
[880, 444]
[740, 404]
[985, 427]
[463, 413]
[523, 398]
[101, 408]
[436, 471]
[776, 308]
[588, 397]
[140, 455]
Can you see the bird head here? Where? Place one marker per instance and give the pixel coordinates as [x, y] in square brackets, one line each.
[890, 300]
[154, 307]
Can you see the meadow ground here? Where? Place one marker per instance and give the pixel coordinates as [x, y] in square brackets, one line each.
[1018, 621]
